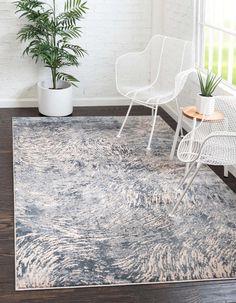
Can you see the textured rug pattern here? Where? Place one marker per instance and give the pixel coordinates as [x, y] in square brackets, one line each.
[92, 209]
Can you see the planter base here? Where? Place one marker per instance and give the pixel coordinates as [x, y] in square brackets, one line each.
[55, 102]
[205, 105]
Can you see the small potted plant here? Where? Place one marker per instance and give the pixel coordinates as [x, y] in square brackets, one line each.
[206, 101]
[49, 36]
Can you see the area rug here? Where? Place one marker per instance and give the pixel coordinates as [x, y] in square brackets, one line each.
[93, 210]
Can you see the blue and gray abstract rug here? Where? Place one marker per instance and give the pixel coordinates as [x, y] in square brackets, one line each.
[92, 209]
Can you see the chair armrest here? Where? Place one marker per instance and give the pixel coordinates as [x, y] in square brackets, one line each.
[219, 148]
[180, 81]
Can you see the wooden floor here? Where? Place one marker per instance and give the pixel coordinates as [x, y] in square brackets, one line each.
[218, 291]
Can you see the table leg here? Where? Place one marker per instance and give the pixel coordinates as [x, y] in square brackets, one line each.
[226, 172]
[191, 142]
[179, 126]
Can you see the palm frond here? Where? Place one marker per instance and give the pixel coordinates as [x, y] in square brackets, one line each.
[73, 12]
[76, 49]
[69, 34]
[68, 78]
[49, 35]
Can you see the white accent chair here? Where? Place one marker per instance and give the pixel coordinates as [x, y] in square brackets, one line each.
[211, 143]
[154, 76]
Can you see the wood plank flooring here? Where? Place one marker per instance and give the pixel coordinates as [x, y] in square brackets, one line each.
[190, 292]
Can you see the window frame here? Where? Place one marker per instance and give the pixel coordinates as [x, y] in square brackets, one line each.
[200, 25]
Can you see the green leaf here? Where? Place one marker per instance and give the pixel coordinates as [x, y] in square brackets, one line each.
[210, 85]
[201, 83]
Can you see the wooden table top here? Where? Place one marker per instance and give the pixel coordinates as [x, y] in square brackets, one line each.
[191, 112]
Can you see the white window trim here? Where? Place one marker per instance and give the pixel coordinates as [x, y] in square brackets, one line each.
[198, 31]
[200, 24]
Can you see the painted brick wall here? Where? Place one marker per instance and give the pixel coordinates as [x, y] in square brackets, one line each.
[110, 29]
[178, 18]
[178, 21]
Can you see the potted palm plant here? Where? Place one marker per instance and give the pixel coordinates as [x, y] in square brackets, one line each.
[49, 36]
[206, 101]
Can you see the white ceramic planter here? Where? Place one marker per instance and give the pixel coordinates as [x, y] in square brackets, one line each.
[205, 105]
[55, 102]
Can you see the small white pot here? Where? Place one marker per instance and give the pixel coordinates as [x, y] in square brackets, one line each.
[55, 102]
[205, 105]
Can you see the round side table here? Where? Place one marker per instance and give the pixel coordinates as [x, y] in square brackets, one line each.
[190, 112]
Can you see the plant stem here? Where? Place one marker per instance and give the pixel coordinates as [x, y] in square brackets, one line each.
[54, 23]
[54, 9]
[53, 69]
[54, 77]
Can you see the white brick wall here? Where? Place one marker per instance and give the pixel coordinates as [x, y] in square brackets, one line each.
[178, 18]
[110, 29]
[157, 16]
[178, 21]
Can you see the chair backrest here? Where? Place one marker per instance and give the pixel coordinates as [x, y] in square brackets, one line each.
[227, 105]
[156, 67]
[168, 57]
[222, 150]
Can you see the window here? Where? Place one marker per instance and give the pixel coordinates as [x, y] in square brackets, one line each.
[216, 37]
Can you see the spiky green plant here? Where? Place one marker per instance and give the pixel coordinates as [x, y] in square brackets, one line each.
[209, 85]
[50, 35]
